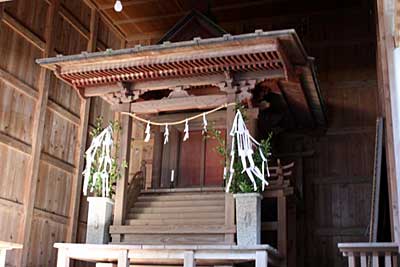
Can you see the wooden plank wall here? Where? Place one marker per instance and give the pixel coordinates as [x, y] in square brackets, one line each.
[338, 176]
[22, 40]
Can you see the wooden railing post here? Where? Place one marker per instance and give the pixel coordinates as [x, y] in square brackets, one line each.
[374, 251]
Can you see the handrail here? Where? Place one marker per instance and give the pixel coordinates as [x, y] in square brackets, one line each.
[136, 184]
[374, 252]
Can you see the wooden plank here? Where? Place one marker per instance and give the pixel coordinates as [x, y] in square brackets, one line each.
[385, 46]
[23, 31]
[261, 259]
[157, 158]
[173, 229]
[123, 260]
[63, 259]
[17, 84]
[61, 111]
[14, 143]
[376, 184]
[122, 183]
[388, 259]
[375, 260]
[31, 178]
[363, 259]
[351, 260]
[74, 22]
[58, 163]
[188, 259]
[76, 187]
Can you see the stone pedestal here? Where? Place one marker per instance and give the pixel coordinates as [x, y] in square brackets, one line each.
[248, 218]
[99, 220]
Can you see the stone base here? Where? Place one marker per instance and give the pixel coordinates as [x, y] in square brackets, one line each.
[248, 218]
[99, 220]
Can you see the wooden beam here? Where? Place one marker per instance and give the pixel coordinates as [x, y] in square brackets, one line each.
[106, 19]
[76, 187]
[23, 31]
[74, 22]
[174, 104]
[31, 178]
[214, 79]
[122, 183]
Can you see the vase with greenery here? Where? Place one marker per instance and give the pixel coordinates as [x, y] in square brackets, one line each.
[102, 171]
[247, 197]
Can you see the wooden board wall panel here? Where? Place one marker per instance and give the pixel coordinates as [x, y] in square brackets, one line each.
[69, 41]
[53, 190]
[16, 113]
[79, 10]
[22, 12]
[41, 251]
[107, 36]
[64, 95]
[59, 138]
[12, 178]
[15, 52]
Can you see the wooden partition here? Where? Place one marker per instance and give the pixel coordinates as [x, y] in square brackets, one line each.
[43, 125]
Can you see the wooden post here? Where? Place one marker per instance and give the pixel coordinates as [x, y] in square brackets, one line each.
[122, 184]
[123, 260]
[62, 258]
[3, 257]
[261, 259]
[188, 259]
[76, 187]
[385, 73]
[31, 178]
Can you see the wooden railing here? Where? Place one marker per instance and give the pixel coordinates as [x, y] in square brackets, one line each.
[370, 254]
[136, 184]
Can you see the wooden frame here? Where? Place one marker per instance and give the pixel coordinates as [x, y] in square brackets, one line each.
[188, 255]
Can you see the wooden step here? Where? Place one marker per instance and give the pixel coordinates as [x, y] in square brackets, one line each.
[182, 197]
[160, 222]
[172, 229]
[175, 239]
[192, 215]
[188, 203]
[191, 209]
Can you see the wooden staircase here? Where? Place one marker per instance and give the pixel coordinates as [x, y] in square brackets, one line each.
[188, 216]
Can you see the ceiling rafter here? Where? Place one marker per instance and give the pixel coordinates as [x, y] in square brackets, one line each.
[182, 13]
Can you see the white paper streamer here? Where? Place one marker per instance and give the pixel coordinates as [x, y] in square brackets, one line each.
[245, 143]
[204, 123]
[186, 131]
[103, 143]
[166, 134]
[147, 132]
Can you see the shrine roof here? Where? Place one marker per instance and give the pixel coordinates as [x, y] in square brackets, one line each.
[255, 56]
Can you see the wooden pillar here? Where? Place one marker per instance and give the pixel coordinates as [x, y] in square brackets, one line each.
[31, 179]
[76, 188]
[123, 260]
[386, 84]
[122, 184]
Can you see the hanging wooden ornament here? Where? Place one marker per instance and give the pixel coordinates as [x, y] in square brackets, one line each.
[147, 132]
[186, 131]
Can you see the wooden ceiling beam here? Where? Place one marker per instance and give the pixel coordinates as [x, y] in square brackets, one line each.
[182, 13]
[259, 21]
[174, 104]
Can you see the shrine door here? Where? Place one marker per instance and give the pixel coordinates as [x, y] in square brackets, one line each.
[195, 162]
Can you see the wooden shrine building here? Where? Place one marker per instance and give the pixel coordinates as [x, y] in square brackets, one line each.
[321, 76]
[164, 80]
